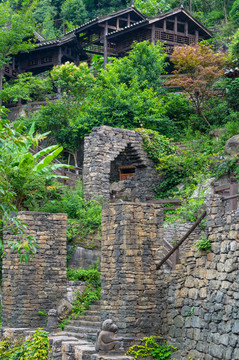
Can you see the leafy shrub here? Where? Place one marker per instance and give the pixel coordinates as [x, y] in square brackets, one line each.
[203, 244]
[84, 217]
[90, 294]
[155, 144]
[35, 348]
[154, 346]
[90, 275]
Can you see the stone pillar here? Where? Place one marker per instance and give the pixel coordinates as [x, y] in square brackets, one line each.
[131, 244]
[40, 284]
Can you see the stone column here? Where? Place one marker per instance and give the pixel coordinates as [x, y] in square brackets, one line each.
[40, 284]
[131, 244]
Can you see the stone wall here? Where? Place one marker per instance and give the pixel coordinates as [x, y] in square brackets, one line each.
[173, 234]
[131, 234]
[195, 306]
[41, 283]
[105, 149]
[200, 299]
[83, 258]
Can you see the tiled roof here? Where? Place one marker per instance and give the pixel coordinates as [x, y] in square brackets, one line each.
[129, 27]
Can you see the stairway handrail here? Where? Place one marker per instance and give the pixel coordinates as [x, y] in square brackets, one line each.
[197, 222]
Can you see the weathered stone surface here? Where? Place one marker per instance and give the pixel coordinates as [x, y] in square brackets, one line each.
[131, 239]
[232, 145]
[39, 284]
[106, 149]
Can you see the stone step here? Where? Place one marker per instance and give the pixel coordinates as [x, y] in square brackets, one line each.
[84, 352]
[92, 313]
[85, 323]
[94, 307]
[71, 350]
[110, 357]
[81, 329]
[89, 317]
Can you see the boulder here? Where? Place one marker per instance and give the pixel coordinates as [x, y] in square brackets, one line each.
[232, 145]
[64, 309]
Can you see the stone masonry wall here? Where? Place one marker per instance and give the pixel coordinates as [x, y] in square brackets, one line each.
[200, 299]
[131, 234]
[101, 149]
[41, 283]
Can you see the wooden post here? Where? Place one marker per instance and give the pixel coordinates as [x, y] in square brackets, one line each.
[59, 63]
[186, 28]
[196, 36]
[175, 25]
[59, 56]
[105, 44]
[164, 25]
[128, 23]
[233, 191]
[117, 24]
[153, 34]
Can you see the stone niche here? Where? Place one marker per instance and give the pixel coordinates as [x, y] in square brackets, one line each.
[116, 164]
[41, 283]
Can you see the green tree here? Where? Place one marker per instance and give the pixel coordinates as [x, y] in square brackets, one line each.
[74, 12]
[127, 92]
[44, 16]
[27, 87]
[16, 27]
[60, 117]
[152, 7]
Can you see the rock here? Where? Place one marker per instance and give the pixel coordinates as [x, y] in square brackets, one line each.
[64, 309]
[216, 133]
[232, 145]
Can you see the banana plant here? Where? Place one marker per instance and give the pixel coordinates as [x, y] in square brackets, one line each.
[23, 176]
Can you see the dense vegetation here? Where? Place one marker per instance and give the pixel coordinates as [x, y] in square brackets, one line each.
[52, 17]
[129, 93]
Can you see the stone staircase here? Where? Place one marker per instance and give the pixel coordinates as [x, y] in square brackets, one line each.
[77, 341]
[86, 326]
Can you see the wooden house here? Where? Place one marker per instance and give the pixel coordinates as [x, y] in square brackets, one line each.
[112, 35]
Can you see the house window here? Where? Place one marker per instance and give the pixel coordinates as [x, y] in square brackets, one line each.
[126, 172]
[181, 28]
[170, 25]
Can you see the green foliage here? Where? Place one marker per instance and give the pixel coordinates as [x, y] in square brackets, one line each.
[84, 217]
[156, 145]
[74, 11]
[13, 38]
[73, 80]
[127, 92]
[61, 117]
[234, 48]
[152, 7]
[44, 16]
[21, 175]
[90, 294]
[35, 348]
[27, 87]
[203, 244]
[91, 275]
[84, 300]
[234, 13]
[154, 346]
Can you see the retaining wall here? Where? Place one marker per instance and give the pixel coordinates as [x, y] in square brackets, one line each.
[41, 283]
[131, 234]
